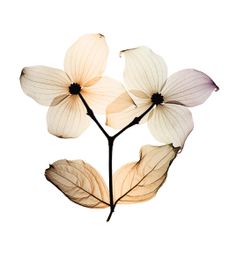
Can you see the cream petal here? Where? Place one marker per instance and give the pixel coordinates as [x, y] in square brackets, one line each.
[123, 110]
[120, 103]
[171, 124]
[86, 58]
[139, 94]
[188, 87]
[68, 119]
[100, 95]
[43, 84]
[144, 70]
[139, 97]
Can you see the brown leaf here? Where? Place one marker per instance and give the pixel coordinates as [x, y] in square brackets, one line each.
[140, 181]
[80, 182]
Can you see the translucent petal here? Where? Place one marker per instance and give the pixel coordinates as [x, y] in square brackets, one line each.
[144, 70]
[68, 119]
[43, 84]
[86, 58]
[123, 110]
[188, 87]
[171, 124]
[139, 97]
[102, 93]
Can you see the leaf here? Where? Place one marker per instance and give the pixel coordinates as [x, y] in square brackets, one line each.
[80, 182]
[140, 181]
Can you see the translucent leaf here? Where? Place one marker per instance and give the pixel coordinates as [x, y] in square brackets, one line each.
[80, 182]
[139, 181]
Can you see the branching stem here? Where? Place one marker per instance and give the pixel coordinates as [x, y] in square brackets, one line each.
[111, 140]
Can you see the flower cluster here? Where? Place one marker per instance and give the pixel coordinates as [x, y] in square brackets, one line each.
[148, 95]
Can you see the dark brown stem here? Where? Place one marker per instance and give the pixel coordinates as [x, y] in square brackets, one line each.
[111, 140]
[135, 121]
[110, 146]
[93, 117]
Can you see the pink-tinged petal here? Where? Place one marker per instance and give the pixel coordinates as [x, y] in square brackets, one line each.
[144, 70]
[68, 119]
[188, 87]
[171, 124]
[100, 95]
[86, 58]
[123, 110]
[44, 84]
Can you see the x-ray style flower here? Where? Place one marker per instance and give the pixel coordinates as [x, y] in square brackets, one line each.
[84, 65]
[73, 95]
[145, 76]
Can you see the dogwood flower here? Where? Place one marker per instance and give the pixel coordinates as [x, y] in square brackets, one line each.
[145, 76]
[84, 65]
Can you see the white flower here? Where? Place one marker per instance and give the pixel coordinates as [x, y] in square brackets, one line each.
[84, 65]
[145, 76]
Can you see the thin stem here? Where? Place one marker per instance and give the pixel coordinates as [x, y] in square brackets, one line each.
[111, 140]
[135, 121]
[110, 146]
[110, 214]
[91, 114]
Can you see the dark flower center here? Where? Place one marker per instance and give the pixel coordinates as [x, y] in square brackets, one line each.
[157, 98]
[74, 88]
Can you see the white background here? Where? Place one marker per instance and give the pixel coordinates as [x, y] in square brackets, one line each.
[192, 219]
